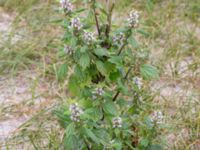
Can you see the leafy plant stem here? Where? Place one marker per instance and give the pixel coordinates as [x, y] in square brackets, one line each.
[96, 19]
[125, 78]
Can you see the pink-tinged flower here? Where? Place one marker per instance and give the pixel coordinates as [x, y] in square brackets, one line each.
[75, 112]
[157, 116]
[76, 23]
[66, 5]
[117, 122]
[133, 19]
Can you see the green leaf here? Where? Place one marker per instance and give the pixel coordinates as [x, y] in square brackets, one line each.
[83, 49]
[70, 142]
[117, 145]
[100, 52]
[114, 75]
[62, 72]
[70, 130]
[148, 71]
[110, 108]
[144, 142]
[116, 60]
[132, 41]
[143, 32]
[122, 87]
[91, 135]
[84, 61]
[154, 147]
[93, 113]
[101, 67]
[73, 85]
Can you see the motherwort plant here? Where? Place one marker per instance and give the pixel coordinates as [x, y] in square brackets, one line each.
[109, 105]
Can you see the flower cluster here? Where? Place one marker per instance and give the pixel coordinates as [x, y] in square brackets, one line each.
[97, 92]
[133, 19]
[66, 5]
[88, 37]
[157, 116]
[117, 122]
[138, 82]
[68, 50]
[76, 23]
[119, 39]
[75, 112]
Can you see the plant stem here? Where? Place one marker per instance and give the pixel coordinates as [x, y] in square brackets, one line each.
[129, 32]
[109, 17]
[96, 19]
[88, 148]
[125, 78]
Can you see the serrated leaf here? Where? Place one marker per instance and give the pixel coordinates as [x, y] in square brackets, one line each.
[62, 72]
[84, 61]
[110, 107]
[132, 41]
[117, 145]
[148, 71]
[114, 75]
[73, 85]
[117, 60]
[70, 142]
[144, 142]
[91, 135]
[93, 113]
[100, 52]
[70, 130]
[101, 67]
[122, 87]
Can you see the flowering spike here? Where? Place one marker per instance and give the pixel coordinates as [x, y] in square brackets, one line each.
[76, 23]
[117, 122]
[75, 112]
[66, 5]
[133, 19]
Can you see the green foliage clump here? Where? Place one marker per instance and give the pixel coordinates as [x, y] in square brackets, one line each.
[109, 108]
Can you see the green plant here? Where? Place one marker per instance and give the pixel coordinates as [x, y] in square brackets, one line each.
[109, 107]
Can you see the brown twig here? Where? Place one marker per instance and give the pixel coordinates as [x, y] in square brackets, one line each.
[96, 19]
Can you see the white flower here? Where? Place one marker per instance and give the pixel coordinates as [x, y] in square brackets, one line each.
[88, 37]
[97, 92]
[76, 23]
[75, 112]
[133, 19]
[68, 50]
[66, 5]
[138, 82]
[117, 122]
[157, 116]
[119, 38]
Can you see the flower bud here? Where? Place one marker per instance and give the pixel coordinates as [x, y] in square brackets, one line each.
[117, 122]
[68, 50]
[88, 37]
[138, 82]
[75, 112]
[157, 117]
[76, 23]
[66, 5]
[119, 39]
[97, 92]
[133, 19]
